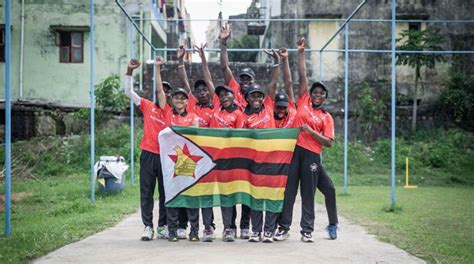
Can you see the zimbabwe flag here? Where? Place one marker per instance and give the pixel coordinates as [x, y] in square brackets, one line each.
[207, 167]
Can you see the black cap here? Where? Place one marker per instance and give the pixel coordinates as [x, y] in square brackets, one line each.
[281, 99]
[254, 88]
[167, 84]
[318, 84]
[199, 83]
[221, 88]
[178, 90]
[249, 72]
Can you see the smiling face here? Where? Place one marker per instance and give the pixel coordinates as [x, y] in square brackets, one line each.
[281, 111]
[202, 94]
[255, 100]
[318, 96]
[180, 101]
[226, 98]
[244, 82]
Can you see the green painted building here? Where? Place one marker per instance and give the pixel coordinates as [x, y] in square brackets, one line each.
[52, 39]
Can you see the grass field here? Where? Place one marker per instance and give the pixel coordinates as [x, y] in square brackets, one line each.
[433, 223]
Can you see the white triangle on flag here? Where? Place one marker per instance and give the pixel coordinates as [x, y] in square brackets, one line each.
[188, 172]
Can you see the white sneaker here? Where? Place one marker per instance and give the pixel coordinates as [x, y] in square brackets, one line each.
[182, 233]
[307, 237]
[267, 237]
[244, 234]
[255, 237]
[147, 233]
[162, 232]
[281, 235]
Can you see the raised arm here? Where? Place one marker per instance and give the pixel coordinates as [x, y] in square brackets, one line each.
[271, 88]
[128, 85]
[303, 86]
[205, 68]
[160, 94]
[181, 69]
[224, 35]
[287, 80]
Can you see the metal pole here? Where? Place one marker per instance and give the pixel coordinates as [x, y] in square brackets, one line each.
[132, 109]
[8, 114]
[92, 97]
[154, 77]
[320, 65]
[346, 100]
[394, 79]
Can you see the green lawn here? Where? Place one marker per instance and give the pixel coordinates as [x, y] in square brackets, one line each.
[433, 223]
[56, 212]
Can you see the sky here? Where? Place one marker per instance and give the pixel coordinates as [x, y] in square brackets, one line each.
[209, 9]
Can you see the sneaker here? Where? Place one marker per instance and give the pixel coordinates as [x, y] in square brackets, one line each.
[228, 236]
[194, 237]
[208, 235]
[162, 232]
[173, 236]
[267, 237]
[255, 237]
[147, 233]
[307, 237]
[244, 234]
[281, 235]
[182, 233]
[332, 231]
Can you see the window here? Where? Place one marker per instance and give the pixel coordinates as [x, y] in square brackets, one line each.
[70, 46]
[2, 44]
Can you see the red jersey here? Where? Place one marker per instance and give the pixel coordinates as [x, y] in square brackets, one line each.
[318, 119]
[223, 118]
[262, 119]
[154, 120]
[288, 121]
[204, 112]
[184, 119]
[239, 97]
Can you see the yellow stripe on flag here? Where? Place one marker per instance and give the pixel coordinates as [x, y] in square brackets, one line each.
[226, 188]
[241, 142]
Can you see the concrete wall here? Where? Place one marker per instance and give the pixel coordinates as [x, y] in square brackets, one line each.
[46, 80]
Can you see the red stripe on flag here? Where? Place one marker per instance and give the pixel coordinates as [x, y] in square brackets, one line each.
[252, 154]
[272, 181]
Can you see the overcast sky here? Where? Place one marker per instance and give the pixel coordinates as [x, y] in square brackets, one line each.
[209, 9]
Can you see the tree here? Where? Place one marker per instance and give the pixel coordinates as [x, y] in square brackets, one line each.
[418, 40]
[245, 42]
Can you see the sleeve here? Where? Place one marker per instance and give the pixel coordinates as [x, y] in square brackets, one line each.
[304, 100]
[191, 102]
[269, 103]
[143, 105]
[328, 130]
[291, 105]
[234, 85]
[215, 101]
[129, 91]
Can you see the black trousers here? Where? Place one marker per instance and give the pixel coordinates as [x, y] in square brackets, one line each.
[307, 171]
[172, 218]
[257, 221]
[150, 173]
[229, 215]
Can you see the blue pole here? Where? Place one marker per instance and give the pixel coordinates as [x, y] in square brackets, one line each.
[346, 100]
[92, 99]
[8, 114]
[394, 78]
[132, 109]
[320, 65]
[154, 77]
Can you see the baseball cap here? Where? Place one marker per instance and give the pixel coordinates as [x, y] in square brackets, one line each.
[254, 88]
[167, 84]
[281, 99]
[318, 84]
[247, 71]
[223, 88]
[178, 90]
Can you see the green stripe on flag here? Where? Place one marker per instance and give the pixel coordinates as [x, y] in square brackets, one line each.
[271, 133]
[206, 201]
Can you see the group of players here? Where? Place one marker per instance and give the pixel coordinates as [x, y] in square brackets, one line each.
[241, 103]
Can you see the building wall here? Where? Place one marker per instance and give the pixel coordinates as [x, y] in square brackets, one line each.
[46, 80]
